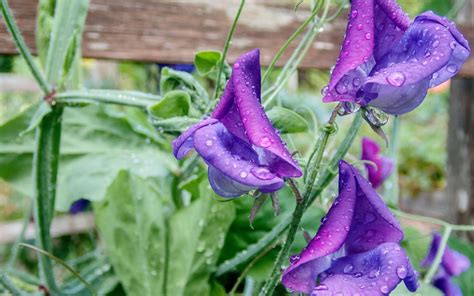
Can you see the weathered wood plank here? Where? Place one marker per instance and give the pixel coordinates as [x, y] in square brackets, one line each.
[172, 31]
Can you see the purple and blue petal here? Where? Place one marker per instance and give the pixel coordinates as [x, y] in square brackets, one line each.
[356, 227]
[383, 165]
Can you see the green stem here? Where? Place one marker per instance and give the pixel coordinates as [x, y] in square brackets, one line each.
[391, 186]
[439, 256]
[455, 227]
[21, 45]
[16, 246]
[226, 48]
[45, 171]
[134, 99]
[280, 228]
[7, 283]
[300, 208]
[290, 40]
[297, 57]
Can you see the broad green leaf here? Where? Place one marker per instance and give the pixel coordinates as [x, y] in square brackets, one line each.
[287, 121]
[179, 80]
[154, 246]
[174, 103]
[67, 25]
[132, 221]
[94, 147]
[197, 235]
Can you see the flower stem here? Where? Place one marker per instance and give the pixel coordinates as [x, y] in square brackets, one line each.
[439, 255]
[290, 40]
[21, 45]
[430, 220]
[45, 171]
[134, 99]
[300, 208]
[226, 48]
[9, 286]
[391, 186]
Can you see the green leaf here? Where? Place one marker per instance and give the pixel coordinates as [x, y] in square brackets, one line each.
[95, 146]
[154, 246]
[207, 61]
[68, 24]
[43, 109]
[287, 121]
[179, 80]
[416, 245]
[44, 27]
[174, 103]
[423, 290]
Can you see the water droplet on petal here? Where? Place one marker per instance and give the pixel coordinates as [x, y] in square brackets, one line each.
[368, 36]
[396, 78]
[325, 90]
[356, 82]
[373, 274]
[209, 143]
[354, 13]
[341, 88]
[294, 258]
[348, 268]
[265, 142]
[453, 44]
[357, 274]
[435, 44]
[236, 66]
[262, 173]
[401, 272]
[369, 217]
[384, 289]
[243, 174]
[452, 68]
[321, 287]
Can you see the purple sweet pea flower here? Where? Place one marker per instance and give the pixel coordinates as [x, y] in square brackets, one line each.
[452, 264]
[388, 62]
[79, 206]
[356, 250]
[238, 142]
[371, 152]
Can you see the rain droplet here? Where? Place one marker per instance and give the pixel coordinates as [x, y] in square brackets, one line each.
[243, 174]
[325, 90]
[265, 142]
[357, 274]
[209, 143]
[348, 268]
[341, 88]
[452, 68]
[396, 78]
[373, 274]
[453, 44]
[262, 173]
[384, 289]
[359, 27]
[354, 13]
[294, 258]
[435, 44]
[236, 66]
[401, 272]
[368, 36]
[321, 287]
[356, 82]
[369, 217]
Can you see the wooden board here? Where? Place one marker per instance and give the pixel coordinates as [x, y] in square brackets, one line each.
[172, 31]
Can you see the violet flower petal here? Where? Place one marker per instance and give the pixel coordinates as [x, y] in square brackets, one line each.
[358, 221]
[430, 52]
[184, 143]
[374, 272]
[242, 114]
[357, 48]
[385, 166]
[390, 24]
[447, 286]
[453, 263]
[233, 158]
